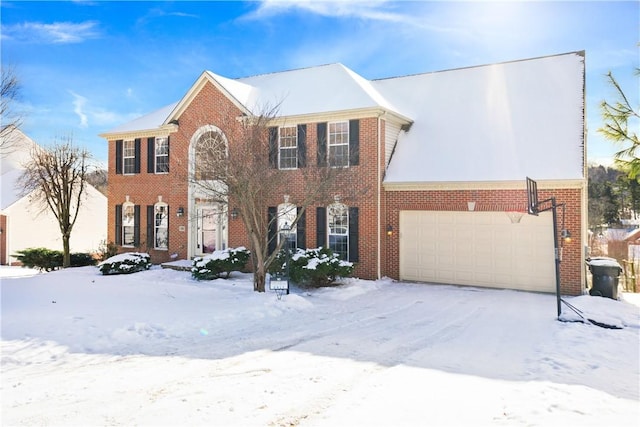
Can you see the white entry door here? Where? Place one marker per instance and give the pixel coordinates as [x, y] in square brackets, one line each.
[210, 229]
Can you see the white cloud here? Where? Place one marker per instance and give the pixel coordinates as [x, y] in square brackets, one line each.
[79, 103]
[55, 33]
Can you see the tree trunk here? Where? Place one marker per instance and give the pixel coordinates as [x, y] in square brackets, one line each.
[66, 254]
[259, 279]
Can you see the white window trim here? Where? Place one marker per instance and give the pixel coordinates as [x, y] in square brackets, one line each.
[287, 214]
[125, 224]
[125, 157]
[330, 144]
[280, 147]
[156, 207]
[330, 209]
[157, 156]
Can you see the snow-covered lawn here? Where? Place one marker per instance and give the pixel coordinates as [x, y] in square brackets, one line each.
[158, 348]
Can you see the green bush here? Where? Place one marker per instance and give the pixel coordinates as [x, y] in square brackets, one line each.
[49, 259]
[80, 259]
[312, 267]
[220, 264]
[125, 263]
[40, 258]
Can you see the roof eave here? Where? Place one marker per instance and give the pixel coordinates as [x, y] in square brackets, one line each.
[163, 130]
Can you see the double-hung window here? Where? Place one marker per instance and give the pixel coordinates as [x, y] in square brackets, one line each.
[162, 155]
[338, 144]
[161, 226]
[338, 227]
[129, 157]
[288, 148]
[128, 224]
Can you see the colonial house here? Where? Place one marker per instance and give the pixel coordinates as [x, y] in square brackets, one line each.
[24, 224]
[445, 153]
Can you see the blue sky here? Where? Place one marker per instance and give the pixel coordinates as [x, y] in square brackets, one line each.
[89, 66]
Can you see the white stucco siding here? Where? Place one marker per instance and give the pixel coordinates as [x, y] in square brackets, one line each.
[392, 130]
[29, 227]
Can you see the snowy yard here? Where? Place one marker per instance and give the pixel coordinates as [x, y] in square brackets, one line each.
[158, 348]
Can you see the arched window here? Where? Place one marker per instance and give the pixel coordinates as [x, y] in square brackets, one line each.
[161, 226]
[210, 156]
[287, 213]
[338, 228]
[128, 223]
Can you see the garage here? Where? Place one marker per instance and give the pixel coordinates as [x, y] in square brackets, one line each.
[478, 249]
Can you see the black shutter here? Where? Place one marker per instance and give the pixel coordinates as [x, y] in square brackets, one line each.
[150, 226]
[272, 224]
[151, 155]
[301, 230]
[353, 235]
[136, 225]
[302, 146]
[321, 227]
[119, 157]
[273, 147]
[354, 142]
[137, 153]
[322, 144]
[118, 236]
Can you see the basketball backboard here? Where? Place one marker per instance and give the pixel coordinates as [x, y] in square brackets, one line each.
[532, 197]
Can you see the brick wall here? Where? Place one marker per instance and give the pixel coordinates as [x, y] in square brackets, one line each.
[357, 185]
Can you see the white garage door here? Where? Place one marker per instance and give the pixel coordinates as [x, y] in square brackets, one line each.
[478, 249]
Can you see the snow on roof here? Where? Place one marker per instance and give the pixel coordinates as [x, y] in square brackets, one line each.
[321, 89]
[490, 123]
[149, 121]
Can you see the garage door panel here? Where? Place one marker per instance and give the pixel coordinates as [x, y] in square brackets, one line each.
[477, 248]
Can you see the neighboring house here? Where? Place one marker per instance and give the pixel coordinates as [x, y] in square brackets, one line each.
[24, 224]
[446, 155]
[623, 243]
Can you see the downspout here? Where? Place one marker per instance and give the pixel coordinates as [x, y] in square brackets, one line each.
[379, 184]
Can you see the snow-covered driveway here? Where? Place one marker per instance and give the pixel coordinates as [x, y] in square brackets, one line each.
[156, 348]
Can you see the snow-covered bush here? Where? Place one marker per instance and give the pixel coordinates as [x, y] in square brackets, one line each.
[220, 263]
[128, 262]
[313, 267]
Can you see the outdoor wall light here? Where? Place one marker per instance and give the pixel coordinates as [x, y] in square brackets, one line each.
[566, 235]
[234, 213]
[180, 211]
[389, 230]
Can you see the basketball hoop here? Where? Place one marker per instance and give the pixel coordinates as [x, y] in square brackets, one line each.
[515, 216]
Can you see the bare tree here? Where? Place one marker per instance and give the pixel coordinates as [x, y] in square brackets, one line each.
[55, 178]
[241, 171]
[10, 118]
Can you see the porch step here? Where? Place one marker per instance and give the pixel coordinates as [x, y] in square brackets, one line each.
[180, 265]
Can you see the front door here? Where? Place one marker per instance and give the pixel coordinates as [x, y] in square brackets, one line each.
[210, 229]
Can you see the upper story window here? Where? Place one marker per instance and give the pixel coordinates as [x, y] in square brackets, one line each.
[338, 229]
[288, 148]
[338, 143]
[338, 139]
[210, 156]
[162, 154]
[129, 157]
[161, 225]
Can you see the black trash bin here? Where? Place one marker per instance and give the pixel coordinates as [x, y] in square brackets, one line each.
[605, 272]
